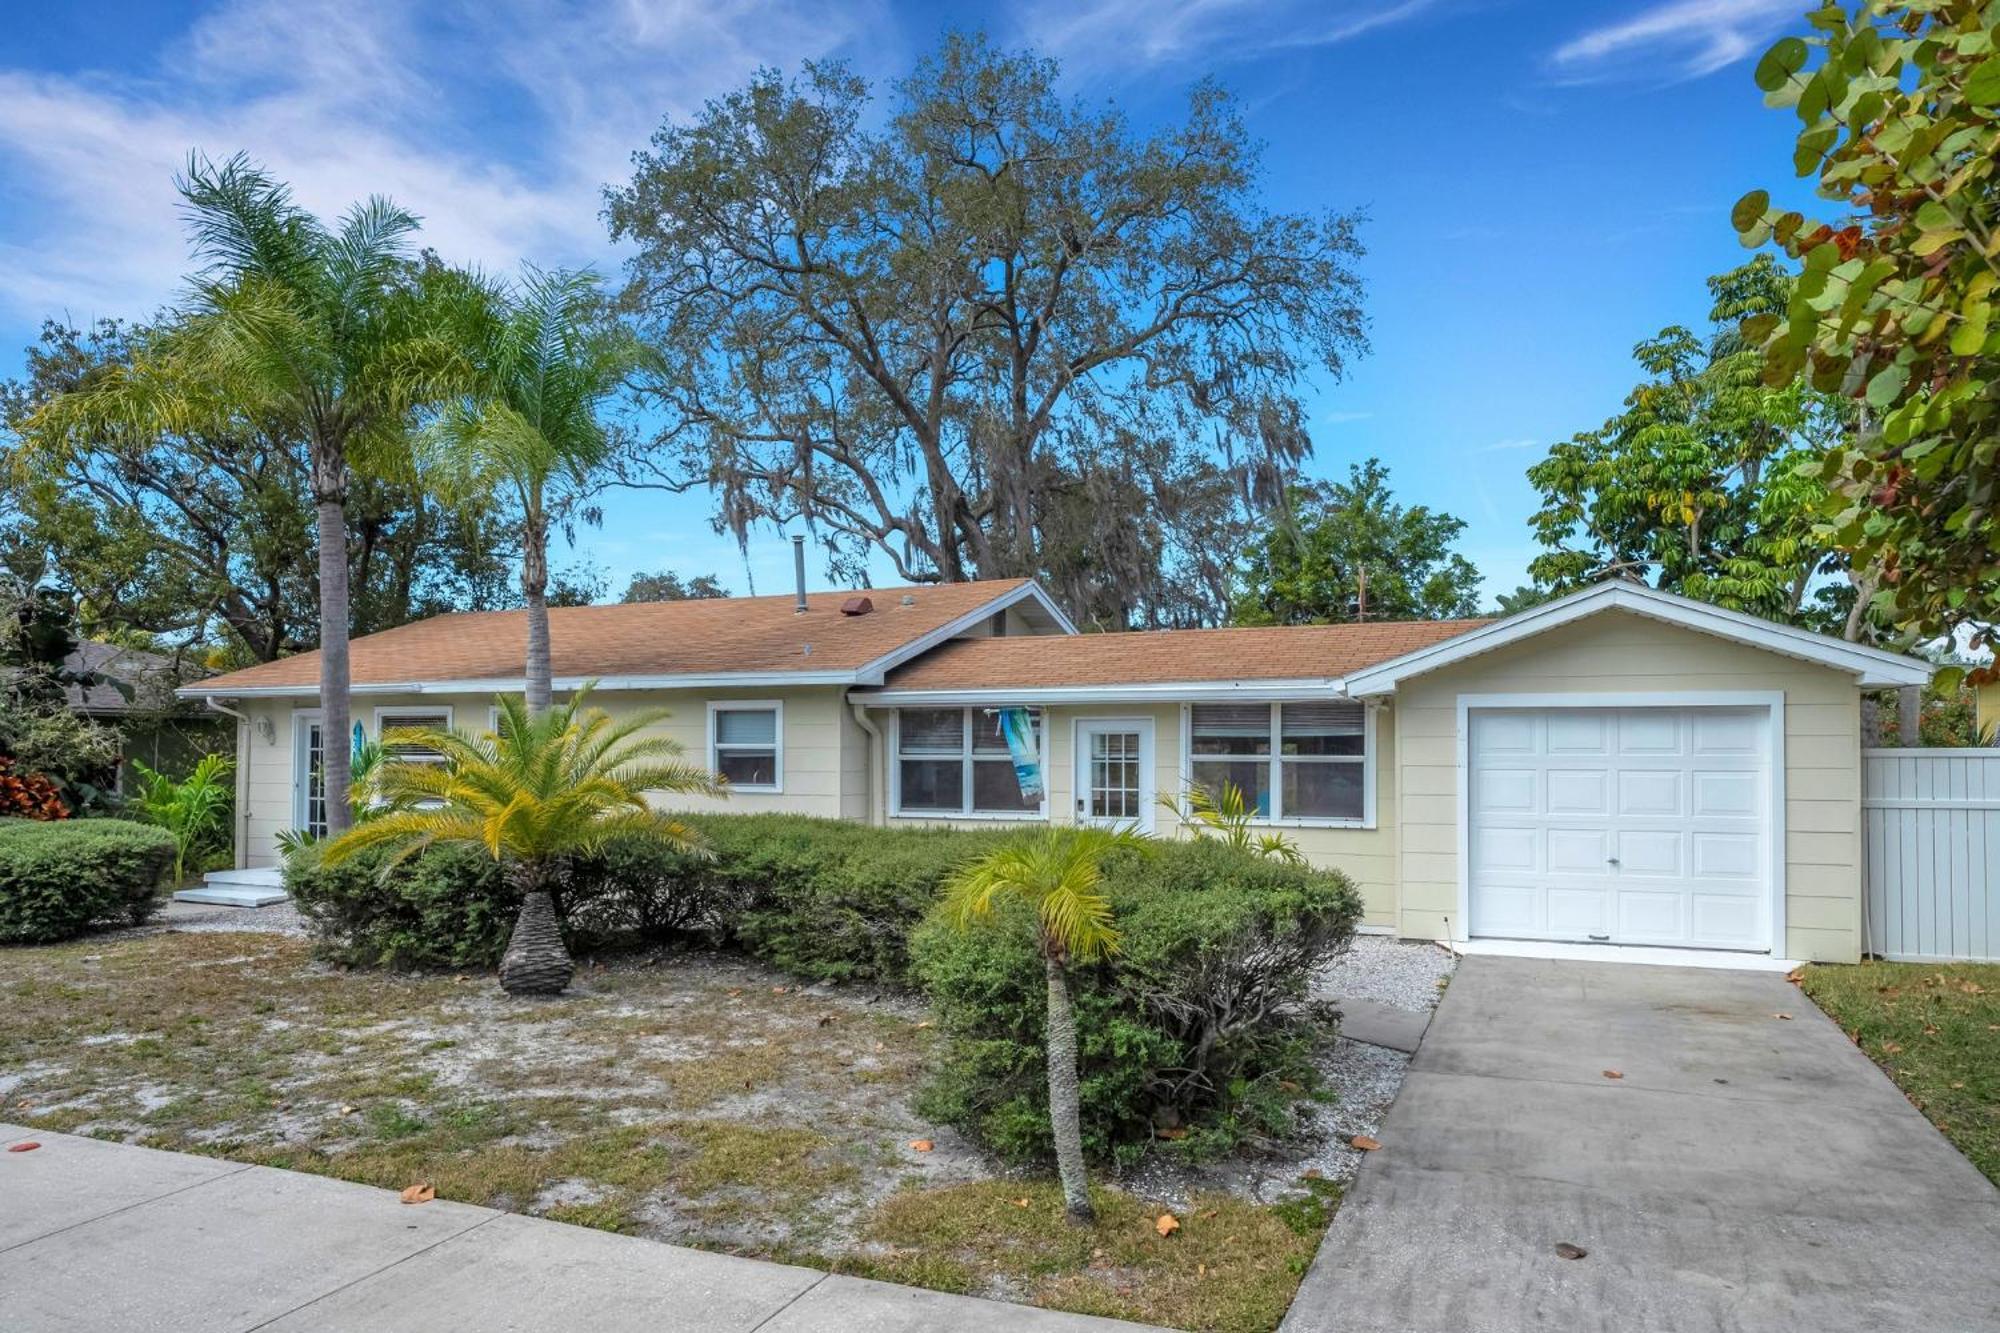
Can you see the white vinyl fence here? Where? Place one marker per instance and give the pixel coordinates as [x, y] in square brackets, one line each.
[1931, 829]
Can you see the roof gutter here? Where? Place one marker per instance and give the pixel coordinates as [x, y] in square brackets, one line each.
[1186, 691]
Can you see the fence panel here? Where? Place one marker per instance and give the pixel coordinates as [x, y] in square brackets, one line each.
[1931, 831]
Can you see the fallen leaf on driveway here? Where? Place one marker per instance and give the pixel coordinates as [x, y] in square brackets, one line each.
[921, 1145]
[1786, 1017]
[423, 1193]
[29, 1146]
[1612, 1073]
[1569, 1251]
[1166, 1224]
[1020, 1203]
[1363, 1142]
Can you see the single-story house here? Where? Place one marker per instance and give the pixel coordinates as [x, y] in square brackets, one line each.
[1620, 767]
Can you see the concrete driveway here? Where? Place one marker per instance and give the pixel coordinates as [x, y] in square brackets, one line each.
[1746, 1172]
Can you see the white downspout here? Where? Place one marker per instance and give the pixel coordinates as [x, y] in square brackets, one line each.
[243, 751]
[867, 724]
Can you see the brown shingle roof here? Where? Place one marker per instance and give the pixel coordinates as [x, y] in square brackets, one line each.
[715, 636]
[1158, 657]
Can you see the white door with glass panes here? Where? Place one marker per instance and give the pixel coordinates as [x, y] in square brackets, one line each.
[308, 773]
[1114, 773]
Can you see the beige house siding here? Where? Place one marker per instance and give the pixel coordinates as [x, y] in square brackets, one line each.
[821, 752]
[1368, 855]
[1618, 652]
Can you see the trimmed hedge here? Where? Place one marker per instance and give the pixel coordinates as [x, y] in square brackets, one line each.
[58, 879]
[1194, 1036]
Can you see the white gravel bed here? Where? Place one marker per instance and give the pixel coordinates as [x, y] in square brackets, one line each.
[1402, 974]
[204, 919]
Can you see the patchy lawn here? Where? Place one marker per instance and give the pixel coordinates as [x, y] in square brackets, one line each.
[1935, 1029]
[695, 1098]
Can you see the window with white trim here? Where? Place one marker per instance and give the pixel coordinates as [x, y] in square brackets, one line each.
[955, 761]
[745, 745]
[401, 719]
[1296, 761]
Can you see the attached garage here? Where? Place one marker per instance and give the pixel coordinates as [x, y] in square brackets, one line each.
[1646, 825]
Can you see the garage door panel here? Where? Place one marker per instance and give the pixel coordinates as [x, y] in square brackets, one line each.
[1650, 793]
[1728, 794]
[1578, 791]
[1628, 825]
[1649, 852]
[1578, 850]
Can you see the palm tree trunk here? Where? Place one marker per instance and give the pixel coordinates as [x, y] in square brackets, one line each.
[534, 591]
[1066, 1099]
[536, 963]
[337, 753]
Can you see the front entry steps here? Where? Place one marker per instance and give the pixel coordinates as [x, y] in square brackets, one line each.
[259, 887]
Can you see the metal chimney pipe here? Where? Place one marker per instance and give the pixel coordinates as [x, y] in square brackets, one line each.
[799, 573]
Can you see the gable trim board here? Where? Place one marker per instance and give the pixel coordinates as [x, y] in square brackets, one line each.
[1872, 668]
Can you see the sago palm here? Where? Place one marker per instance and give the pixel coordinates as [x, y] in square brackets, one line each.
[1058, 873]
[545, 360]
[334, 332]
[534, 793]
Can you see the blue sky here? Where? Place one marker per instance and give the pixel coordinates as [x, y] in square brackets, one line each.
[1547, 183]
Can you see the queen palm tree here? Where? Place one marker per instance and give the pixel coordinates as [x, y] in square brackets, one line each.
[1057, 873]
[534, 793]
[335, 332]
[546, 361]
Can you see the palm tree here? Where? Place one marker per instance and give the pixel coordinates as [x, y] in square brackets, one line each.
[1056, 873]
[333, 332]
[547, 361]
[537, 791]
[1224, 813]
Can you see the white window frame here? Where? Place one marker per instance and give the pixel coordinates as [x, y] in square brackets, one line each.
[965, 811]
[776, 707]
[1280, 819]
[411, 710]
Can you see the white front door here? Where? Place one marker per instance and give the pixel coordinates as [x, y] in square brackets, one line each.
[1621, 825]
[308, 773]
[1114, 773]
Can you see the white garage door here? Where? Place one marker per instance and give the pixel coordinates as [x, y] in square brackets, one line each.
[1621, 825]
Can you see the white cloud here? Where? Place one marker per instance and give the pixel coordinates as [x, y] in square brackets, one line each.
[1342, 418]
[1681, 39]
[498, 123]
[1094, 37]
[1508, 446]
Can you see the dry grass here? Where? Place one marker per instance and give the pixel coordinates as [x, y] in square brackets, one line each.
[701, 1099]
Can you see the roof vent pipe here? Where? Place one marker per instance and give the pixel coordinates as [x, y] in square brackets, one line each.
[799, 573]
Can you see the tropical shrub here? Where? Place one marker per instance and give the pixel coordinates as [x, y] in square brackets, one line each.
[57, 880]
[27, 795]
[195, 810]
[1192, 1036]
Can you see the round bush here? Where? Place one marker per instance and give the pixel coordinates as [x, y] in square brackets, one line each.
[58, 879]
[1195, 1035]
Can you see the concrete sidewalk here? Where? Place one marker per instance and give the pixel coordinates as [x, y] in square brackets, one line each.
[1746, 1173]
[102, 1236]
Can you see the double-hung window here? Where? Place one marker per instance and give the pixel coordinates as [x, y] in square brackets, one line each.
[1292, 762]
[410, 719]
[746, 745]
[955, 761]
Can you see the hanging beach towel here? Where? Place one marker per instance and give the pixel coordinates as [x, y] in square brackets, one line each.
[1017, 725]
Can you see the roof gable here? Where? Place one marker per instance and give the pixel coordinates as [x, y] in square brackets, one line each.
[1872, 668]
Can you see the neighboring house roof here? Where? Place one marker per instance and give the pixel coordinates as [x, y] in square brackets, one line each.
[149, 676]
[641, 645]
[1310, 659]
[1872, 668]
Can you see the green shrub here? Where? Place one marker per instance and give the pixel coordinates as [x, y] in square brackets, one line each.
[1196, 1029]
[59, 879]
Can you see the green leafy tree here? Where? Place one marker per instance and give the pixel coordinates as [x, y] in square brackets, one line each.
[667, 586]
[540, 789]
[982, 329]
[1899, 112]
[1348, 551]
[334, 332]
[1700, 485]
[196, 809]
[546, 362]
[1525, 597]
[205, 536]
[1057, 874]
